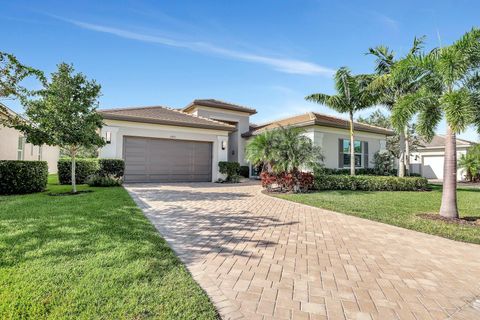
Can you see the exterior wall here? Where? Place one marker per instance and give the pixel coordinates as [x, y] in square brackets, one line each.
[327, 138]
[236, 143]
[417, 162]
[9, 149]
[119, 129]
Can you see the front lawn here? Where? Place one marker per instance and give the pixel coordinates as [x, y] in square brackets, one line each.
[90, 256]
[400, 209]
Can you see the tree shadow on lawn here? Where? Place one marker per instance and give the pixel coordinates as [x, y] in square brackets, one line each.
[64, 237]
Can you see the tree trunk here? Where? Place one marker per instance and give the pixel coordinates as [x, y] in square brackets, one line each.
[74, 182]
[407, 153]
[352, 147]
[401, 155]
[449, 208]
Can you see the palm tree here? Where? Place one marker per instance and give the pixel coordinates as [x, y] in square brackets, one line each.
[352, 95]
[451, 88]
[470, 162]
[391, 87]
[259, 151]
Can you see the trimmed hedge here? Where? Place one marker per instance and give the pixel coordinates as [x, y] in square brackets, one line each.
[244, 171]
[359, 171]
[111, 168]
[83, 169]
[369, 183]
[20, 177]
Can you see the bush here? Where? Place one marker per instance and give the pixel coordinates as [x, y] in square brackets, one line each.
[231, 169]
[359, 171]
[369, 183]
[244, 171]
[83, 169]
[111, 167]
[287, 181]
[20, 177]
[97, 180]
[383, 163]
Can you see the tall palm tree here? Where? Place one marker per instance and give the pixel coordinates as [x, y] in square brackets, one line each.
[391, 87]
[451, 89]
[352, 95]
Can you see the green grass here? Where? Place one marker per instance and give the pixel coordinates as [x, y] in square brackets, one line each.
[400, 209]
[89, 256]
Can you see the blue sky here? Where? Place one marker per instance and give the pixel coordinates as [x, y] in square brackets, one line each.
[266, 54]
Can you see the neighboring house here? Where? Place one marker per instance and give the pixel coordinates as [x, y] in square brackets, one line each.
[429, 159]
[160, 144]
[13, 145]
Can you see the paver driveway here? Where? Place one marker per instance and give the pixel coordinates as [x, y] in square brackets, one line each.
[259, 257]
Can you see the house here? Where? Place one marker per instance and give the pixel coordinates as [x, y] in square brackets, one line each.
[13, 145]
[429, 159]
[161, 144]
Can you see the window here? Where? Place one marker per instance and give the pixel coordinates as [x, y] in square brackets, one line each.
[20, 148]
[360, 153]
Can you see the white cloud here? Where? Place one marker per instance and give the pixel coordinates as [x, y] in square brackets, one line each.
[280, 64]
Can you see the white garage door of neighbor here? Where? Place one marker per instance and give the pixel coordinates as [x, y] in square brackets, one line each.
[433, 167]
[167, 160]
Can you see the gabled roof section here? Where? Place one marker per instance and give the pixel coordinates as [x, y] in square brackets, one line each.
[314, 118]
[163, 115]
[438, 141]
[213, 103]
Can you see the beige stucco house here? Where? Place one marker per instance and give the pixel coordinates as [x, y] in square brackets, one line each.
[13, 145]
[161, 144]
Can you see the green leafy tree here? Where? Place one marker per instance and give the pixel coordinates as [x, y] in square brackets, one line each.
[380, 119]
[12, 74]
[451, 89]
[470, 163]
[352, 96]
[64, 114]
[391, 87]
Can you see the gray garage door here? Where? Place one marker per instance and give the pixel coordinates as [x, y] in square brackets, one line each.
[164, 160]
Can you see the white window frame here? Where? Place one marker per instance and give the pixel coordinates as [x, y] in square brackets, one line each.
[361, 154]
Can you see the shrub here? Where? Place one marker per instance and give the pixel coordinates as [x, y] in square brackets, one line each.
[20, 177]
[287, 181]
[244, 171]
[97, 180]
[231, 169]
[383, 163]
[359, 171]
[369, 183]
[83, 169]
[111, 167]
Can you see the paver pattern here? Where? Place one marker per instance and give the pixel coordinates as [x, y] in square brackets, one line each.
[260, 257]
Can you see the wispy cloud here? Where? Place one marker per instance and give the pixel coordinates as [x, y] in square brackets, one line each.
[286, 65]
[386, 20]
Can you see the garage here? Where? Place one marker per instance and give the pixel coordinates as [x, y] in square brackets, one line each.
[167, 160]
[433, 167]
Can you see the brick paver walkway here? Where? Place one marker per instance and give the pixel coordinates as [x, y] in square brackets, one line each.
[259, 257]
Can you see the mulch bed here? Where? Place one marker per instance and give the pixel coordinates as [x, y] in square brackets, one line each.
[69, 193]
[465, 221]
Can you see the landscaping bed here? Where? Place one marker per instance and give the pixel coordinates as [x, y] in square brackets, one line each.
[92, 256]
[400, 208]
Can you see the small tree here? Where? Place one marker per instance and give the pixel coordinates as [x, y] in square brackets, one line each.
[64, 114]
[470, 162]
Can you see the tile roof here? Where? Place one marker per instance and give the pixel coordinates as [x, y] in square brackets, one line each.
[213, 103]
[163, 115]
[438, 141]
[314, 118]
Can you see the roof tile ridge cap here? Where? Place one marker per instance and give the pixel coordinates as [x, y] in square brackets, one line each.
[355, 122]
[226, 102]
[200, 117]
[132, 108]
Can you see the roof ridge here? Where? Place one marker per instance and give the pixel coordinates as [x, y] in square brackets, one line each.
[226, 102]
[200, 117]
[134, 108]
[284, 118]
[354, 121]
